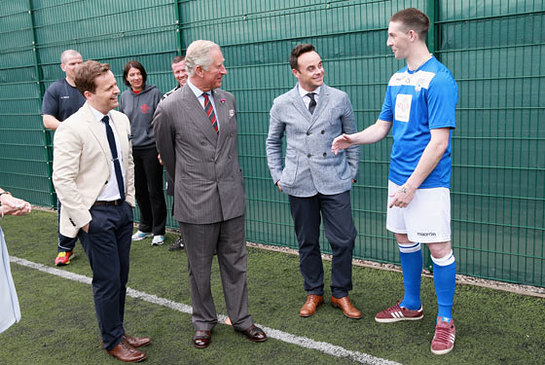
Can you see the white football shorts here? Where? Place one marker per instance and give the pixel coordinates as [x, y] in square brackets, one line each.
[427, 217]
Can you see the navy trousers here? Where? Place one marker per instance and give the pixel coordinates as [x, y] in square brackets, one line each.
[336, 212]
[107, 245]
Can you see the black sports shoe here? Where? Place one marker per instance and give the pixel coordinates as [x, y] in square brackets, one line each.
[178, 245]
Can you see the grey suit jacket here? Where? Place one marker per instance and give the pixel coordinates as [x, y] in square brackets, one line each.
[81, 165]
[310, 166]
[208, 183]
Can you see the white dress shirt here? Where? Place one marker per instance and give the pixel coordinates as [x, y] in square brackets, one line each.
[110, 191]
[306, 98]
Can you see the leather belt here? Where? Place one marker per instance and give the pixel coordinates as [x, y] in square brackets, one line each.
[110, 202]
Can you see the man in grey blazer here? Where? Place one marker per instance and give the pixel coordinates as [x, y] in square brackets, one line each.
[196, 135]
[311, 115]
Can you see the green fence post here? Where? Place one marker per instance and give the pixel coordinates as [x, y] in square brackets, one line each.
[39, 82]
[178, 28]
[432, 38]
[433, 46]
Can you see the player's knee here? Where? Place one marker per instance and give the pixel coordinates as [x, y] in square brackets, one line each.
[439, 250]
[402, 238]
[444, 260]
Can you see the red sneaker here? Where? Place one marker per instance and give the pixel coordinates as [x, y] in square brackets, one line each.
[445, 334]
[63, 258]
[397, 313]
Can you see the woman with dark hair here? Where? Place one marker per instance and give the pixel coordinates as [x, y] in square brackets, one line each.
[139, 104]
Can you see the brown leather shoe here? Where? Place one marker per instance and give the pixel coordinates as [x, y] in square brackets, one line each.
[137, 341]
[347, 307]
[255, 333]
[201, 339]
[126, 353]
[309, 308]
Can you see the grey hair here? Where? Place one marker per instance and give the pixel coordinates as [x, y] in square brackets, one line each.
[198, 54]
[69, 53]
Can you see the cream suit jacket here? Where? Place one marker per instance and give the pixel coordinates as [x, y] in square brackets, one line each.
[81, 165]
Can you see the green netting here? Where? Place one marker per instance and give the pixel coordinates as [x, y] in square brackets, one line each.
[494, 49]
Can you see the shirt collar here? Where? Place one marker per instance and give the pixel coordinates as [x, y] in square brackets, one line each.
[98, 115]
[303, 92]
[198, 92]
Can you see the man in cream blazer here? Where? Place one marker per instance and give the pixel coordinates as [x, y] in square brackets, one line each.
[93, 175]
[317, 182]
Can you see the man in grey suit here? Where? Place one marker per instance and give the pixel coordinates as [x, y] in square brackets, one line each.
[196, 135]
[311, 115]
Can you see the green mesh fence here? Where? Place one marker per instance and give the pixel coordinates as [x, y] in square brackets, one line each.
[494, 50]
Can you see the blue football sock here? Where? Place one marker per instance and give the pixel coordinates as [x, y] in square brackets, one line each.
[411, 264]
[444, 278]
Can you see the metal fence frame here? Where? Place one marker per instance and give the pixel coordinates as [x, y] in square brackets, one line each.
[494, 49]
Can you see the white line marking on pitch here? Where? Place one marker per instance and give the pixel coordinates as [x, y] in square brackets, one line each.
[305, 342]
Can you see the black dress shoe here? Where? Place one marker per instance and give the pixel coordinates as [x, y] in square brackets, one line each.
[202, 339]
[255, 333]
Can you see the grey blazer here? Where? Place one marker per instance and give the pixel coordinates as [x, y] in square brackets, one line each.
[310, 166]
[208, 183]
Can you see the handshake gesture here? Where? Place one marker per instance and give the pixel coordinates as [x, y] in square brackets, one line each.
[342, 142]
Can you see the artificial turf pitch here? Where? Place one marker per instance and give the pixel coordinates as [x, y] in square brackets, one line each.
[58, 323]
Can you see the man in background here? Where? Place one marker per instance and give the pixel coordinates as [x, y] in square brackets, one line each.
[61, 100]
[180, 73]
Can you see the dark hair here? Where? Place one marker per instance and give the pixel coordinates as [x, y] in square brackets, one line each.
[87, 72]
[298, 51]
[413, 19]
[178, 59]
[137, 65]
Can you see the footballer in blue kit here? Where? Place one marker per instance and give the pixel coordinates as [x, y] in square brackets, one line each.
[416, 102]
[419, 105]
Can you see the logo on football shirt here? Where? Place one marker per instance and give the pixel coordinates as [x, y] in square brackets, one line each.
[403, 107]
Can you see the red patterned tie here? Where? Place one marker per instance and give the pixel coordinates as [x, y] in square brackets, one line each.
[209, 109]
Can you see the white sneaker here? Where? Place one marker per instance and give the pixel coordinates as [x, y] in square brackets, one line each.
[158, 240]
[139, 235]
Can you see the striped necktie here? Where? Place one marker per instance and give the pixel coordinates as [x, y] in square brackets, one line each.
[209, 109]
